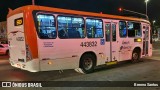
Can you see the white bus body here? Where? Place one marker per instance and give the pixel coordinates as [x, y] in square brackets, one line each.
[30, 52]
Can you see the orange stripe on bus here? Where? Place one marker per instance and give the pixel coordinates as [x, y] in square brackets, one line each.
[30, 8]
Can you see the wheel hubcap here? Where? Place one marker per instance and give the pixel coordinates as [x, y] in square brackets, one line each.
[135, 56]
[88, 63]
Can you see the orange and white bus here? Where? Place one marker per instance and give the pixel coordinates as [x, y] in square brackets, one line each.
[43, 38]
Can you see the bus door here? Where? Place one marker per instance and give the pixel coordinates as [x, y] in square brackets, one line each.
[145, 40]
[111, 43]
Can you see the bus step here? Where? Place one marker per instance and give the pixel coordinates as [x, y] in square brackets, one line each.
[111, 63]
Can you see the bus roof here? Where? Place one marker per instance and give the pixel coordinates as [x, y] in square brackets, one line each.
[75, 12]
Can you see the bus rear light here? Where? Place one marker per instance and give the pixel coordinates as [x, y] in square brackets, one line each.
[28, 53]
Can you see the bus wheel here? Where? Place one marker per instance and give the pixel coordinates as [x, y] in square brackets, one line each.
[87, 63]
[136, 56]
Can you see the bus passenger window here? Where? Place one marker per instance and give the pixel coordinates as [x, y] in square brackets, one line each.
[134, 29]
[46, 26]
[94, 28]
[122, 29]
[70, 27]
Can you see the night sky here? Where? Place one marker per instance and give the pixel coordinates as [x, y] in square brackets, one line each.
[105, 6]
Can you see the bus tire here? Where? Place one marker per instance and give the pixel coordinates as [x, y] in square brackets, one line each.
[87, 63]
[136, 56]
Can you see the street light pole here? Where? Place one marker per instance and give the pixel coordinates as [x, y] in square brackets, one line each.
[33, 2]
[136, 13]
[146, 1]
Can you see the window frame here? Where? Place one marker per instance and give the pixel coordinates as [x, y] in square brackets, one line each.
[36, 13]
[102, 27]
[140, 29]
[72, 16]
[126, 29]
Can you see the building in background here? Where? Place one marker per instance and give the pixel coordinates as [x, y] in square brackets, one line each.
[3, 32]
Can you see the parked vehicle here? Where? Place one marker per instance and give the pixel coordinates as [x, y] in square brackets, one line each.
[4, 50]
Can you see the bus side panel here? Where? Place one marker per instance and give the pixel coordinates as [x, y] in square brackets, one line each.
[127, 45]
[65, 53]
[56, 54]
